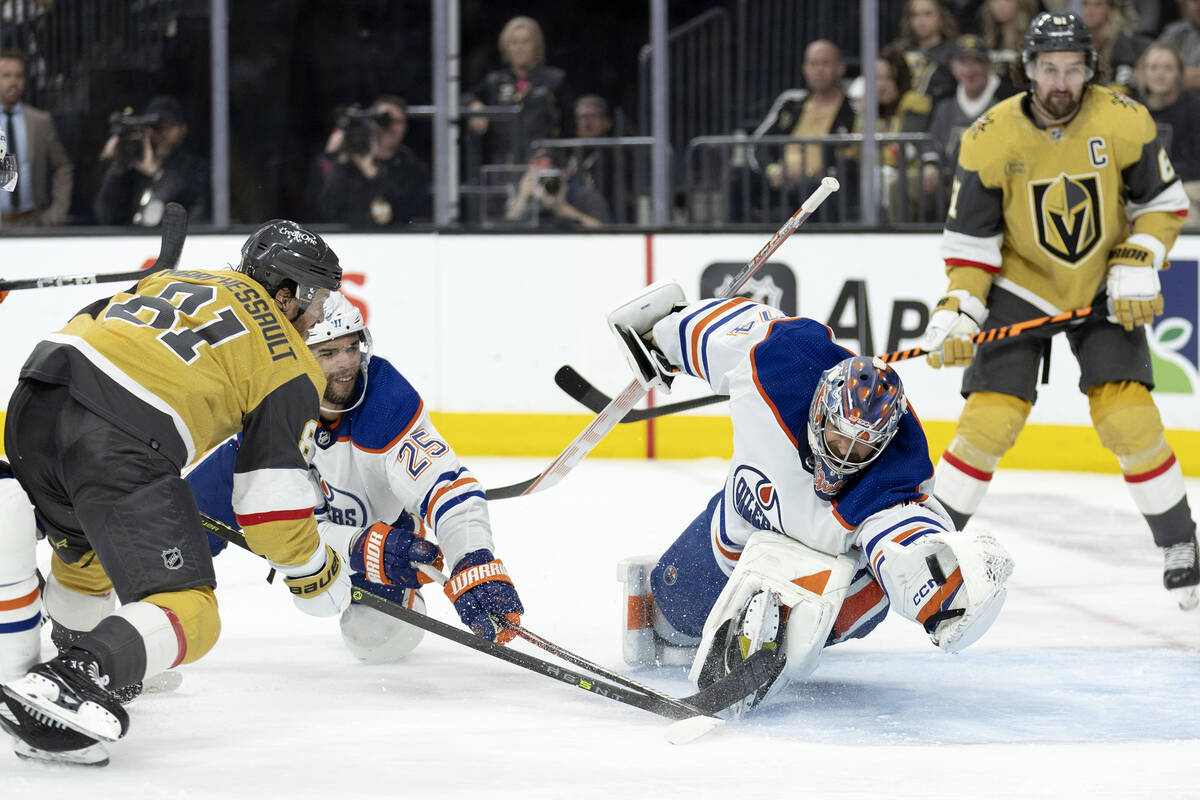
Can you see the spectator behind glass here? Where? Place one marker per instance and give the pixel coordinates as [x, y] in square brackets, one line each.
[927, 36]
[1003, 26]
[150, 166]
[551, 196]
[820, 109]
[1160, 84]
[369, 177]
[901, 110]
[599, 170]
[978, 88]
[539, 90]
[1116, 44]
[43, 194]
[1184, 36]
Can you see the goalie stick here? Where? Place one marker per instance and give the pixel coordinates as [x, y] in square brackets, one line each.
[704, 703]
[614, 412]
[582, 390]
[174, 231]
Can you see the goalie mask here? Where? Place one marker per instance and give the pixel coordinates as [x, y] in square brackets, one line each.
[342, 318]
[8, 166]
[855, 412]
[283, 255]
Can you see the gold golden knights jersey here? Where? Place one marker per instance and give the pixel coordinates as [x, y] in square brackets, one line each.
[187, 359]
[1040, 209]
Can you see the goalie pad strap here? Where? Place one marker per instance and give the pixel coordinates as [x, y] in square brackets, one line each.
[471, 577]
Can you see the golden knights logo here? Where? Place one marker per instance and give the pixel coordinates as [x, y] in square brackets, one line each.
[1067, 216]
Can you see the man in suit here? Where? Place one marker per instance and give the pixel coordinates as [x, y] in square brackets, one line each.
[43, 194]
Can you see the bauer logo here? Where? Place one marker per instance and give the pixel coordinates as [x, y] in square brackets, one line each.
[1174, 350]
[756, 500]
[773, 285]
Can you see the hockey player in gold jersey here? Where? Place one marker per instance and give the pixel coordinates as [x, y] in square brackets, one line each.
[107, 413]
[1063, 198]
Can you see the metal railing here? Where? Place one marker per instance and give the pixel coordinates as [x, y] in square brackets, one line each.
[724, 186]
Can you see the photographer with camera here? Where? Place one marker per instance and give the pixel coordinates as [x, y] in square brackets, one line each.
[148, 167]
[368, 177]
[550, 196]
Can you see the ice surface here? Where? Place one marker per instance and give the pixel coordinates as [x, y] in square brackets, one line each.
[1088, 686]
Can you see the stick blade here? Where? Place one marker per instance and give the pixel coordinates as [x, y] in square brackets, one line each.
[686, 731]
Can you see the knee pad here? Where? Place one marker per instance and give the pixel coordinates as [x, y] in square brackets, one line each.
[988, 428]
[811, 584]
[194, 625]
[375, 638]
[1128, 424]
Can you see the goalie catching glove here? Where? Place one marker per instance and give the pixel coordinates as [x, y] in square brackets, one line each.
[484, 596]
[386, 555]
[320, 586]
[1134, 293]
[954, 321]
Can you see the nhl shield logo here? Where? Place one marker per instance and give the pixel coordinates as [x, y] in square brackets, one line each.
[173, 558]
[1067, 216]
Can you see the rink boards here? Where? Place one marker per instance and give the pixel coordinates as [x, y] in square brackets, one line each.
[480, 323]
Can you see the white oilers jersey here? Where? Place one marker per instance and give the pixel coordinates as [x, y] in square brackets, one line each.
[770, 365]
[385, 458]
[375, 463]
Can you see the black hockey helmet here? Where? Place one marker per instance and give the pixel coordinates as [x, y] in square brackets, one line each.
[281, 254]
[1058, 33]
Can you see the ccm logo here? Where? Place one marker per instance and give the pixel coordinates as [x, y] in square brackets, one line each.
[924, 592]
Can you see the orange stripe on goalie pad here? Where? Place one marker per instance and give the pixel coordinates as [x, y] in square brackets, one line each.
[469, 578]
[639, 612]
[814, 583]
[20, 602]
[953, 582]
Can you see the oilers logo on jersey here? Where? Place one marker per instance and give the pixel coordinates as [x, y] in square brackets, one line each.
[343, 507]
[1067, 216]
[756, 500]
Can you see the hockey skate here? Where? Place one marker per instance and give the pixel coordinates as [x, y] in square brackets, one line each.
[65, 638]
[36, 737]
[758, 627]
[70, 691]
[1181, 573]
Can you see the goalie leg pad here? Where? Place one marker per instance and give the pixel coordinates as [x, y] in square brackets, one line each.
[648, 637]
[375, 638]
[950, 583]
[687, 579]
[811, 586]
[20, 596]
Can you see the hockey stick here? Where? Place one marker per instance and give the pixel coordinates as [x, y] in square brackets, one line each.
[996, 334]
[656, 703]
[586, 393]
[615, 411]
[583, 391]
[174, 231]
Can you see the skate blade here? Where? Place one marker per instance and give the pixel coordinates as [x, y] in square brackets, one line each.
[99, 723]
[94, 755]
[1188, 597]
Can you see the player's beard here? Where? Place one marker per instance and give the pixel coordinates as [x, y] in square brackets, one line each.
[340, 393]
[1060, 104]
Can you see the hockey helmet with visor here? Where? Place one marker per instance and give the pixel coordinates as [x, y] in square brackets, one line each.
[855, 413]
[1050, 33]
[341, 318]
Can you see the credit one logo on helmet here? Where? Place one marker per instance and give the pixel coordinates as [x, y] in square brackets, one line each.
[297, 235]
[1174, 351]
[756, 500]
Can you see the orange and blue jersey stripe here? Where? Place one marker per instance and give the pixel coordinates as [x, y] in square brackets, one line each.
[448, 491]
[20, 613]
[902, 533]
[693, 343]
[866, 605]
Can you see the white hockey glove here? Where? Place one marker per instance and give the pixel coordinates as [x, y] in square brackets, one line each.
[633, 324]
[954, 321]
[320, 586]
[1134, 292]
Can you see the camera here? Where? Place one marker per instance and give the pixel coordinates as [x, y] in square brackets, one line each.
[551, 180]
[130, 129]
[355, 124]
